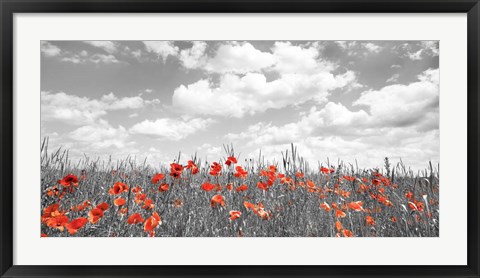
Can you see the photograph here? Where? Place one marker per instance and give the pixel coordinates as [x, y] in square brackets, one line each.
[286, 138]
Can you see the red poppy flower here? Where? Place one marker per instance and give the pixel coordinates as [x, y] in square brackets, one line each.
[76, 224]
[69, 180]
[242, 187]
[234, 214]
[103, 206]
[43, 235]
[370, 221]
[412, 206]
[324, 170]
[419, 206]
[58, 222]
[151, 223]
[148, 204]
[208, 186]
[376, 182]
[136, 189]
[193, 167]
[119, 202]
[118, 188]
[231, 160]
[325, 206]
[340, 214]
[286, 180]
[176, 170]
[356, 206]
[229, 186]
[394, 219]
[300, 175]
[216, 168]
[135, 219]
[158, 177]
[347, 233]
[409, 195]
[240, 172]
[94, 215]
[53, 191]
[163, 187]
[248, 205]
[262, 186]
[140, 197]
[217, 200]
[339, 226]
[51, 211]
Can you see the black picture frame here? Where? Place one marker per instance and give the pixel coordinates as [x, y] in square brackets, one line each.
[9, 7]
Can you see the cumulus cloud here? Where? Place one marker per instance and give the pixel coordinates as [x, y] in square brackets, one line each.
[295, 59]
[49, 50]
[194, 57]
[400, 121]
[303, 76]
[170, 129]
[108, 46]
[75, 110]
[243, 89]
[239, 58]
[402, 105]
[334, 118]
[236, 96]
[162, 49]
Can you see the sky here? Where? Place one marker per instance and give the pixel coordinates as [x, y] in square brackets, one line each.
[351, 100]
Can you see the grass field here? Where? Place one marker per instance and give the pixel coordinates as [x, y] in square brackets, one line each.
[231, 197]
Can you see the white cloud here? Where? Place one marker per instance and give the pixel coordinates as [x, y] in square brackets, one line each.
[295, 59]
[236, 96]
[414, 148]
[49, 49]
[75, 110]
[243, 57]
[114, 103]
[404, 104]
[108, 46]
[418, 51]
[334, 118]
[101, 136]
[170, 129]
[161, 48]
[239, 58]
[212, 153]
[372, 47]
[194, 57]
[415, 56]
[431, 47]
[133, 115]
[359, 49]
[401, 122]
